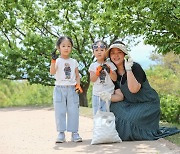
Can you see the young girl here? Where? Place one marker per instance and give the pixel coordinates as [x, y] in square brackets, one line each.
[65, 98]
[101, 74]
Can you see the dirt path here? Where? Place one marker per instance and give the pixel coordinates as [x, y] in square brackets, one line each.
[32, 131]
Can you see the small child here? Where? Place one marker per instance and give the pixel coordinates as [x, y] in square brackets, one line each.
[65, 97]
[102, 72]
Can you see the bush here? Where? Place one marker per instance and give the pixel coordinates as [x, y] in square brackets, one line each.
[165, 79]
[21, 93]
[170, 108]
[89, 96]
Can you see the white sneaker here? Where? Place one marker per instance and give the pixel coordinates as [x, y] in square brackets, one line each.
[60, 138]
[76, 138]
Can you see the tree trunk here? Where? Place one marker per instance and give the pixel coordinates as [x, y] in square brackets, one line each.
[83, 97]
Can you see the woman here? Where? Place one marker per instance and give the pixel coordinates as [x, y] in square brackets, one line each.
[138, 111]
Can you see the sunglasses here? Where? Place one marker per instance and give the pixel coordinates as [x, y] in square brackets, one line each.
[102, 46]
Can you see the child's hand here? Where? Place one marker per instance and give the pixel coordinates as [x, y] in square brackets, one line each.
[78, 88]
[107, 68]
[105, 96]
[54, 55]
[98, 70]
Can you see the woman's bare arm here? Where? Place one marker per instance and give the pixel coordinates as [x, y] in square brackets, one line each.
[117, 96]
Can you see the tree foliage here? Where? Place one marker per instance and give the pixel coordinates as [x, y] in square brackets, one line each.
[29, 30]
[166, 75]
[157, 20]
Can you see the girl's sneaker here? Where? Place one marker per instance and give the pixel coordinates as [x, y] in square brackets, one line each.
[76, 138]
[60, 138]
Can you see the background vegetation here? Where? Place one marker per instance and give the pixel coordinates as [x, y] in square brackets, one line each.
[21, 93]
[165, 79]
[30, 28]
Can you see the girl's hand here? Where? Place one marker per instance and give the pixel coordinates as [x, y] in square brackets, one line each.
[107, 68]
[105, 96]
[78, 88]
[98, 70]
[54, 55]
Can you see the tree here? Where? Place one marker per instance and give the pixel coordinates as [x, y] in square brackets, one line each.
[30, 28]
[158, 21]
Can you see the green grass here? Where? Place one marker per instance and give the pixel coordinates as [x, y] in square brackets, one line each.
[87, 112]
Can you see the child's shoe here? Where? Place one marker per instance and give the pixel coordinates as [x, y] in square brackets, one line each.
[60, 138]
[76, 138]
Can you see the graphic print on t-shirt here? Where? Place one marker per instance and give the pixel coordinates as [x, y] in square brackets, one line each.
[102, 76]
[67, 71]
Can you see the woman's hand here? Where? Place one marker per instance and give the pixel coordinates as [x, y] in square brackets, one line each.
[128, 63]
[133, 84]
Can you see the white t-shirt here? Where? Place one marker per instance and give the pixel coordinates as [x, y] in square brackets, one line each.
[104, 82]
[65, 71]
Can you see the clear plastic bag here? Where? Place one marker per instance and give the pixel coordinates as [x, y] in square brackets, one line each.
[104, 130]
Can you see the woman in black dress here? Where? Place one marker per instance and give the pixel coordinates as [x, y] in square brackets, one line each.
[138, 112]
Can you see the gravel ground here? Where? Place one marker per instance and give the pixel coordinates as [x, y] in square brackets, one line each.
[32, 131]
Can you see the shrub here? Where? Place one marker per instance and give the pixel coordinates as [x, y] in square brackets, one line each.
[170, 108]
[15, 93]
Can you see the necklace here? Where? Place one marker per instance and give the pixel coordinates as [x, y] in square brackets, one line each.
[121, 72]
[121, 80]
